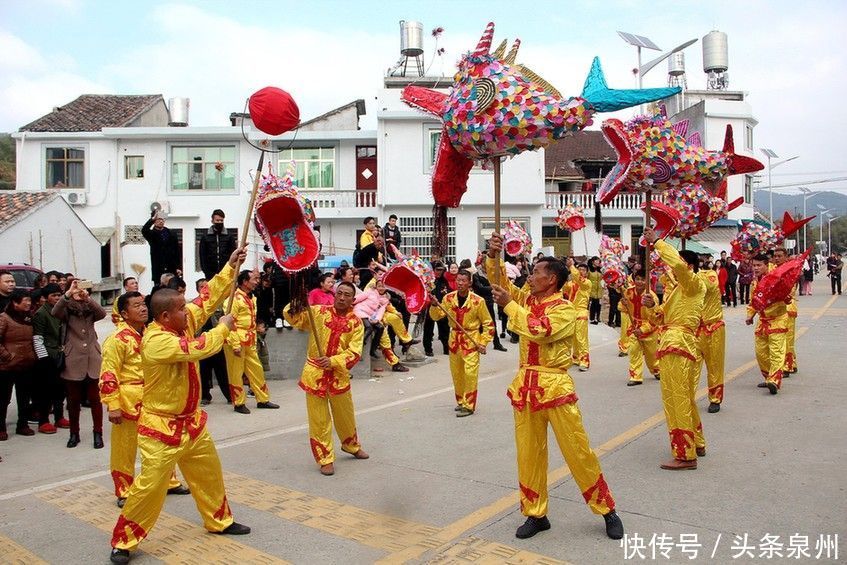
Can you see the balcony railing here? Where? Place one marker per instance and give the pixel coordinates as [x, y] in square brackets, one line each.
[341, 198]
[623, 201]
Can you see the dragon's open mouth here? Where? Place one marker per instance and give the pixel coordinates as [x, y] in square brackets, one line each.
[284, 226]
[613, 131]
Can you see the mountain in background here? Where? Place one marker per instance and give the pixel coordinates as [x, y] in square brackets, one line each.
[7, 162]
[794, 203]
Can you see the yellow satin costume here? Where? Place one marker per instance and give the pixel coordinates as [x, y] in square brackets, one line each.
[679, 317]
[791, 334]
[244, 338]
[172, 427]
[641, 348]
[328, 397]
[392, 319]
[474, 317]
[770, 338]
[577, 291]
[542, 393]
[711, 336]
[121, 386]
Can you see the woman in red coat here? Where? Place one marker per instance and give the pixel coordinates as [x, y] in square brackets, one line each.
[723, 276]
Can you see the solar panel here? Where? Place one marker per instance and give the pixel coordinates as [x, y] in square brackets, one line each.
[638, 40]
[770, 153]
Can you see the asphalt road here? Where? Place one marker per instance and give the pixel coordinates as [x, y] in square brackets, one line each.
[442, 489]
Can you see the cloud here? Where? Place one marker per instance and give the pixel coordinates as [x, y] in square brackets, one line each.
[18, 56]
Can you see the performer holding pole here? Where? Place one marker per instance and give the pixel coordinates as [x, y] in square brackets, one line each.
[543, 394]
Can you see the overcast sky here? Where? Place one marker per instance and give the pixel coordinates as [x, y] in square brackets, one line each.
[788, 56]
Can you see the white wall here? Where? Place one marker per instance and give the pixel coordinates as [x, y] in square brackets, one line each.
[53, 237]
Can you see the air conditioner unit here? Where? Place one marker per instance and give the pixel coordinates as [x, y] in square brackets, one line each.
[76, 198]
[163, 207]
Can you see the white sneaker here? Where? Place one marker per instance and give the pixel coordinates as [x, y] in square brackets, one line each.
[278, 324]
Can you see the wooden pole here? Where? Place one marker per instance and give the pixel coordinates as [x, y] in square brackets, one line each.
[456, 323]
[73, 251]
[585, 241]
[496, 161]
[246, 226]
[648, 222]
[314, 331]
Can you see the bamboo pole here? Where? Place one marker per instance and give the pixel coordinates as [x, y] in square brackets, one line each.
[456, 323]
[648, 222]
[314, 330]
[246, 226]
[497, 228]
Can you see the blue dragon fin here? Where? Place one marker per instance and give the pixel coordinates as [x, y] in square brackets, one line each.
[605, 99]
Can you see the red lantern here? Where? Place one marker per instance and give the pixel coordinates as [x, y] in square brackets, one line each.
[274, 111]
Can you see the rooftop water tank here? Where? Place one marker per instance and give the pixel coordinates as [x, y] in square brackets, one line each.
[676, 64]
[715, 52]
[178, 112]
[411, 38]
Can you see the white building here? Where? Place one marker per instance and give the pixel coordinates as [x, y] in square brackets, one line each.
[42, 230]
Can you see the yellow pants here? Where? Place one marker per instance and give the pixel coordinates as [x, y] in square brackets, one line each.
[396, 323]
[713, 350]
[531, 443]
[770, 355]
[323, 413]
[680, 375]
[247, 363]
[790, 354]
[124, 448]
[623, 342]
[465, 370]
[198, 460]
[639, 350]
[580, 343]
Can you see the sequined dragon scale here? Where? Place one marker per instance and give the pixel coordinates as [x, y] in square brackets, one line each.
[755, 238]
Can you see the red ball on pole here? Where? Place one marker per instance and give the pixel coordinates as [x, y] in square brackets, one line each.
[274, 111]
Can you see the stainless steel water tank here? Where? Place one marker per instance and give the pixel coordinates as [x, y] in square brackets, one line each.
[715, 52]
[411, 38]
[178, 112]
[676, 64]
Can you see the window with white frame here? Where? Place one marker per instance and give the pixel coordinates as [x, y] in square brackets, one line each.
[748, 189]
[417, 236]
[434, 138]
[315, 166]
[134, 167]
[203, 167]
[748, 137]
[64, 167]
[486, 227]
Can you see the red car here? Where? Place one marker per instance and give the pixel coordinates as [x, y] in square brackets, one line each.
[25, 275]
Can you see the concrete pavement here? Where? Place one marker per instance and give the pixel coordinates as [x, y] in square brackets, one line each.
[442, 489]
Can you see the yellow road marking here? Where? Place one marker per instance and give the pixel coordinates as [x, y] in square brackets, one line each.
[14, 553]
[825, 307]
[477, 550]
[462, 525]
[173, 540]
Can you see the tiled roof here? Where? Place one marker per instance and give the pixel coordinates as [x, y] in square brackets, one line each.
[16, 205]
[93, 112]
[560, 155]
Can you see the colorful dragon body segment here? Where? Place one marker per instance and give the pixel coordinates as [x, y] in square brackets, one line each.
[755, 238]
[497, 108]
[654, 154]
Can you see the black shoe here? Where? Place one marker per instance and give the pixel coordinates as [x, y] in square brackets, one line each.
[502, 334]
[634, 383]
[614, 526]
[772, 387]
[762, 385]
[463, 412]
[98, 440]
[786, 374]
[458, 408]
[119, 555]
[234, 529]
[714, 407]
[241, 409]
[121, 502]
[429, 353]
[400, 368]
[205, 401]
[181, 489]
[514, 339]
[446, 350]
[405, 347]
[532, 526]
[267, 405]
[374, 355]
[73, 441]
[499, 347]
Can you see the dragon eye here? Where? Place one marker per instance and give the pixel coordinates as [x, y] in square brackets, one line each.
[484, 88]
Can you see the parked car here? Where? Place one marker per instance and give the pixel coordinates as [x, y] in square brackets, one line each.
[24, 274]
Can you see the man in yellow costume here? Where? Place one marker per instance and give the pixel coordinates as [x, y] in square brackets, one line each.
[711, 338]
[577, 290]
[172, 427]
[543, 393]
[240, 349]
[642, 333]
[468, 311]
[771, 332]
[326, 374]
[780, 256]
[680, 317]
[121, 387]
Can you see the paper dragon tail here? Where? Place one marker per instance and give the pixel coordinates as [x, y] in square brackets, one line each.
[738, 164]
[790, 225]
[605, 99]
[439, 230]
